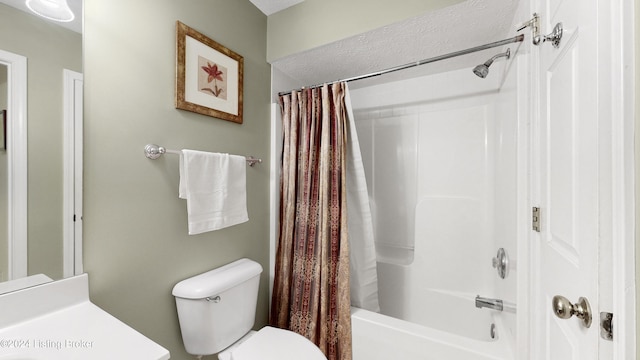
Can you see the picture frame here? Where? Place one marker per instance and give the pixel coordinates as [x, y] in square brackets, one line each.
[209, 76]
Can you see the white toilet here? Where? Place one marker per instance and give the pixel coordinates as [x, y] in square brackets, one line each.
[217, 310]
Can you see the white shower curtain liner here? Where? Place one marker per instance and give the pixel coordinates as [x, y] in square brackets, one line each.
[364, 276]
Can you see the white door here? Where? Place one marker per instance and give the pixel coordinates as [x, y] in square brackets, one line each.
[566, 249]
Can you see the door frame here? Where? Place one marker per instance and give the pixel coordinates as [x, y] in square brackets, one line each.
[72, 170]
[623, 250]
[16, 163]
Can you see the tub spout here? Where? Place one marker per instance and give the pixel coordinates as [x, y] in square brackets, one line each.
[494, 304]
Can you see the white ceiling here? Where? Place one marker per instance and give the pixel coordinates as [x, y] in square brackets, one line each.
[269, 7]
[74, 5]
[464, 25]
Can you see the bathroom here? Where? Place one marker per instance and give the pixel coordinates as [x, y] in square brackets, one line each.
[135, 244]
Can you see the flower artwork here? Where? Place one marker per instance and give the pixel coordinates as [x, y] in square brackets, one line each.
[209, 76]
[212, 79]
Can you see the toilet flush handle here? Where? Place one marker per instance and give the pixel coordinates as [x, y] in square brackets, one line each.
[215, 299]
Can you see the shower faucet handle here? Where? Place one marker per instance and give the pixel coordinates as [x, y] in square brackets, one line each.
[501, 263]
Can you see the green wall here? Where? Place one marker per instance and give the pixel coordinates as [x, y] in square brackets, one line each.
[136, 246]
[49, 49]
[313, 23]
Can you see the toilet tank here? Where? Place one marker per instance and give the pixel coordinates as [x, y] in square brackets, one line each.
[218, 307]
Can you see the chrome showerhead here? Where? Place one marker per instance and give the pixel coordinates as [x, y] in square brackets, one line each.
[482, 70]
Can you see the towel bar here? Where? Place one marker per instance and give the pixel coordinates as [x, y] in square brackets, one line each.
[153, 151]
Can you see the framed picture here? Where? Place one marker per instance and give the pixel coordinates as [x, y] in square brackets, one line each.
[209, 76]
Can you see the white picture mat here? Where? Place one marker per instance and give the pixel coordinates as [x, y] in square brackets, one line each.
[193, 49]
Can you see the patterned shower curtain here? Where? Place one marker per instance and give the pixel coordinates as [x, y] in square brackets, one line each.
[311, 285]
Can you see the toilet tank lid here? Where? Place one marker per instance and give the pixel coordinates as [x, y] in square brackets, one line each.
[217, 280]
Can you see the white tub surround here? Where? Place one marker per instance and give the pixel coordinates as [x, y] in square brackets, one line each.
[453, 150]
[57, 320]
[377, 336]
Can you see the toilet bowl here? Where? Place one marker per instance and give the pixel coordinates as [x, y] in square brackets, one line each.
[271, 343]
[217, 309]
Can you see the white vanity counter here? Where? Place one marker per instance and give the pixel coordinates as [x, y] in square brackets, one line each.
[58, 321]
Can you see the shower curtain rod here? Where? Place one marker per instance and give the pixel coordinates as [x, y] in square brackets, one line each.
[515, 39]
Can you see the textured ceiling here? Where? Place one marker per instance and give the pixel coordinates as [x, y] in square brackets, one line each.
[457, 27]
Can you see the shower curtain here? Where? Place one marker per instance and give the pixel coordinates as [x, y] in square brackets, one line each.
[311, 280]
[363, 265]
[322, 172]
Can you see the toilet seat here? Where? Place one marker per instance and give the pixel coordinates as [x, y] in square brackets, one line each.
[274, 344]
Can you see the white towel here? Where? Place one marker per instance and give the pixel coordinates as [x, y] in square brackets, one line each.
[214, 186]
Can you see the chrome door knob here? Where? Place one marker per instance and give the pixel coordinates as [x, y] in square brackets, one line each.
[564, 309]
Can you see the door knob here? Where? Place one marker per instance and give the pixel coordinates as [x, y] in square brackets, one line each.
[564, 309]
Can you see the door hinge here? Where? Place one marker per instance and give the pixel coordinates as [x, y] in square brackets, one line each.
[606, 325]
[535, 219]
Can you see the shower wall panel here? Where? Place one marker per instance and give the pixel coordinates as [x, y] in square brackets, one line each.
[454, 211]
[389, 142]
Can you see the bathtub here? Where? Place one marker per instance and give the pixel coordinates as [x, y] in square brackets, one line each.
[381, 337]
[419, 322]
